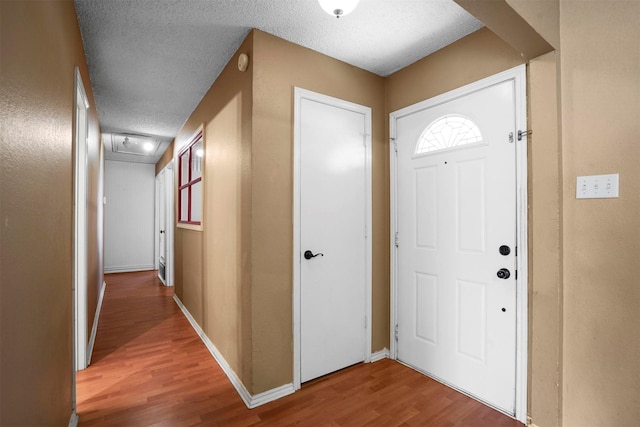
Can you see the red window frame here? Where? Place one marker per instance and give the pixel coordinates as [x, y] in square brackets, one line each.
[188, 151]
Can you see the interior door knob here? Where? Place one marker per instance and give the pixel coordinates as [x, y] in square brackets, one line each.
[309, 254]
[503, 273]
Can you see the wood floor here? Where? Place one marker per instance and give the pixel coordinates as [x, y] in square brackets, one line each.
[149, 368]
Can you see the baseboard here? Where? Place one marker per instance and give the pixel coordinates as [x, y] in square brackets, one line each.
[73, 421]
[379, 355]
[94, 328]
[270, 395]
[251, 401]
[129, 268]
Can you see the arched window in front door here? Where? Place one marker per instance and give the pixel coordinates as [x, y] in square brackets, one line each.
[448, 132]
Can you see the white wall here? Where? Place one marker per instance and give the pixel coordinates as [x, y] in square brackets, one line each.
[129, 216]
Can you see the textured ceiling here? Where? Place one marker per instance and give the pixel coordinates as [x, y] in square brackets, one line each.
[152, 61]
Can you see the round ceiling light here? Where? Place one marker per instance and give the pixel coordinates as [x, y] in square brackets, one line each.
[338, 8]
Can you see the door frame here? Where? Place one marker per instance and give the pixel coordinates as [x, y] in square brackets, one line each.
[518, 76]
[165, 174]
[79, 285]
[156, 223]
[299, 95]
[80, 222]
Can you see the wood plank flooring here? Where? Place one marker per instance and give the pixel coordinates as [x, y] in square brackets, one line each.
[149, 368]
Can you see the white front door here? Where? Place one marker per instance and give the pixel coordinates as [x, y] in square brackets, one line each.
[456, 254]
[333, 186]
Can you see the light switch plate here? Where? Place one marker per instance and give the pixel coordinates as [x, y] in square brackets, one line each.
[597, 186]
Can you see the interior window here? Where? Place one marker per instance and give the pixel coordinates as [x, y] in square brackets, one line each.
[190, 183]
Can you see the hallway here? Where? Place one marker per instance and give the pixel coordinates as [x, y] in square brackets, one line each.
[149, 368]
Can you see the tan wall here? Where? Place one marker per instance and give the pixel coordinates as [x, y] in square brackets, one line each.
[165, 159]
[500, 17]
[600, 68]
[279, 66]
[95, 212]
[478, 55]
[188, 274]
[542, 15]
[213, 265]
[598, 101]
[178, 259]
[36, 209]
[545, 243]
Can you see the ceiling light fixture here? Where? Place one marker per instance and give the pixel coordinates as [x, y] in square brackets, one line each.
[338, 8]
[148, 146]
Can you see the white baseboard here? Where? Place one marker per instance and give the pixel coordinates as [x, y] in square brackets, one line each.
[94, 328]
[73, 421]
[251, 401]
[270, 395]
[379, 355]
[129, 268]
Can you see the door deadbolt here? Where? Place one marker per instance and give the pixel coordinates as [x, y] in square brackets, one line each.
[503, 273]
[504, 250]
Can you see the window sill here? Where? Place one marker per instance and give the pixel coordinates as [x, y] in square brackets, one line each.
[193, 227]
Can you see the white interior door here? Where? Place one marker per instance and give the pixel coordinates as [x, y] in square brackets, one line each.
[333, 199]
[455, 210]
[156, 219]
[164, 224]
[162, 218]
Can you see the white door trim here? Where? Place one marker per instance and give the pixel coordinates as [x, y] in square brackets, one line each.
[518, 75]
[156, 243]
[169, 224]
[79, 272]
[80, 249]
[299, 95]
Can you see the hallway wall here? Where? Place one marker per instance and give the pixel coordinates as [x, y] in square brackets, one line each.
[476, 56]
[600, 107]
[129, 214]
[212, 266]
[40, 45]
[235, 277]
[279, 67]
